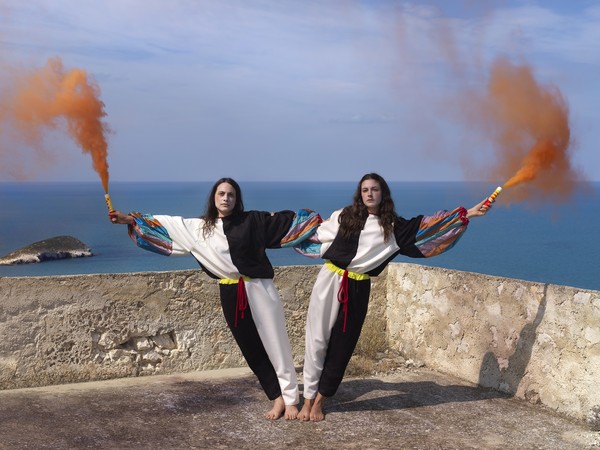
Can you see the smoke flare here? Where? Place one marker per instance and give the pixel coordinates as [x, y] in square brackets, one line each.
[51, 97]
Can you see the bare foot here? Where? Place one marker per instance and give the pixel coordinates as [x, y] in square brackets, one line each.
[291, 412]
[304, 413]
[278, 408]
[316, 412]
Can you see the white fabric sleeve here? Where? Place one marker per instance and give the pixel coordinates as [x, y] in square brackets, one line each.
[184, 232]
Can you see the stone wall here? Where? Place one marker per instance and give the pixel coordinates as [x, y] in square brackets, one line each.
[535, 341]
[538, 342]
[89, 327]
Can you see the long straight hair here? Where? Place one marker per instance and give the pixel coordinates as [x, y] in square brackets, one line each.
[211, 212]
[353, 216]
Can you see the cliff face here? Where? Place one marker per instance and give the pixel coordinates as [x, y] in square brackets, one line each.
[58, 247]
[534, 341]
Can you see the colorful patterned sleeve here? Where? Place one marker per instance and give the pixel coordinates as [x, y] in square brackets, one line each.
[149, 234]
[301, 235]
[440, 232]
[311, 247]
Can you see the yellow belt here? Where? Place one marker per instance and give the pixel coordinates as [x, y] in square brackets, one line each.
[232, 280]
[355, 276]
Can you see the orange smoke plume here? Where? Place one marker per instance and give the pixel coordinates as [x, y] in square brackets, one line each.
[530, 132]
[52, 97]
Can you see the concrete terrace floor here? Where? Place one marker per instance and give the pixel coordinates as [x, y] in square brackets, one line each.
[407, 409]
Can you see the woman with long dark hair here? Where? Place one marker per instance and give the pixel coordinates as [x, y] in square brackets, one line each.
[357, 242]
[229, 244]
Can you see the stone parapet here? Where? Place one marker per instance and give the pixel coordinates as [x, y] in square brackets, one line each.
[67, 329]
[535, 341]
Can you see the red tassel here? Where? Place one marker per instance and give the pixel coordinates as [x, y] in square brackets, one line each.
[343, 297]
[241, 300]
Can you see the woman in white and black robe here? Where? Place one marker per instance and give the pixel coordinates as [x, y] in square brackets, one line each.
[357, 243]
[229, 244]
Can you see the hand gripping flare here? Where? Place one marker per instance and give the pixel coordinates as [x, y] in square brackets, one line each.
[492, 198]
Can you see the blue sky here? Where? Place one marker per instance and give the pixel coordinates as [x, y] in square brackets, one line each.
[298, 90]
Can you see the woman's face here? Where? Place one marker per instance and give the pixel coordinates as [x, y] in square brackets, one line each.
[225, 199]
[370, 191]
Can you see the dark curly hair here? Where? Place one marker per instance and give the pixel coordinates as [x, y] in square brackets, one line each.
[352, 217]
[211, 213]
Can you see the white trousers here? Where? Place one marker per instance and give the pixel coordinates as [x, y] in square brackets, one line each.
[269, 318]
[322, 314]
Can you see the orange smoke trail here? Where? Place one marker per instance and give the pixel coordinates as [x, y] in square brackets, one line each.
[541, 157]
[51, 96]
[531, 133]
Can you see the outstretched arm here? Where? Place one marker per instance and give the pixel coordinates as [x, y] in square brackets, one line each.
[440, 232]
[167, 235]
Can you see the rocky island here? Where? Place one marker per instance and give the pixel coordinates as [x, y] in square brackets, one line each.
[59, 247]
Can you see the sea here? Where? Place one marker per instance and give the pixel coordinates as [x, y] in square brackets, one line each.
[546, 242]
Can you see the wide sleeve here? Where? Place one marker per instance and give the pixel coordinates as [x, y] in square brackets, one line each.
[288, 228]
[302, 231]
[440, 232]
[326, 231]
[165, 235]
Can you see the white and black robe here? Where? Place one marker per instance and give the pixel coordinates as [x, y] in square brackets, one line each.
[234, 253]
[340, 295]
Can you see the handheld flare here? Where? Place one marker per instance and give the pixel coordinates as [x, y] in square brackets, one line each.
[108, 203]
[492, 198]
